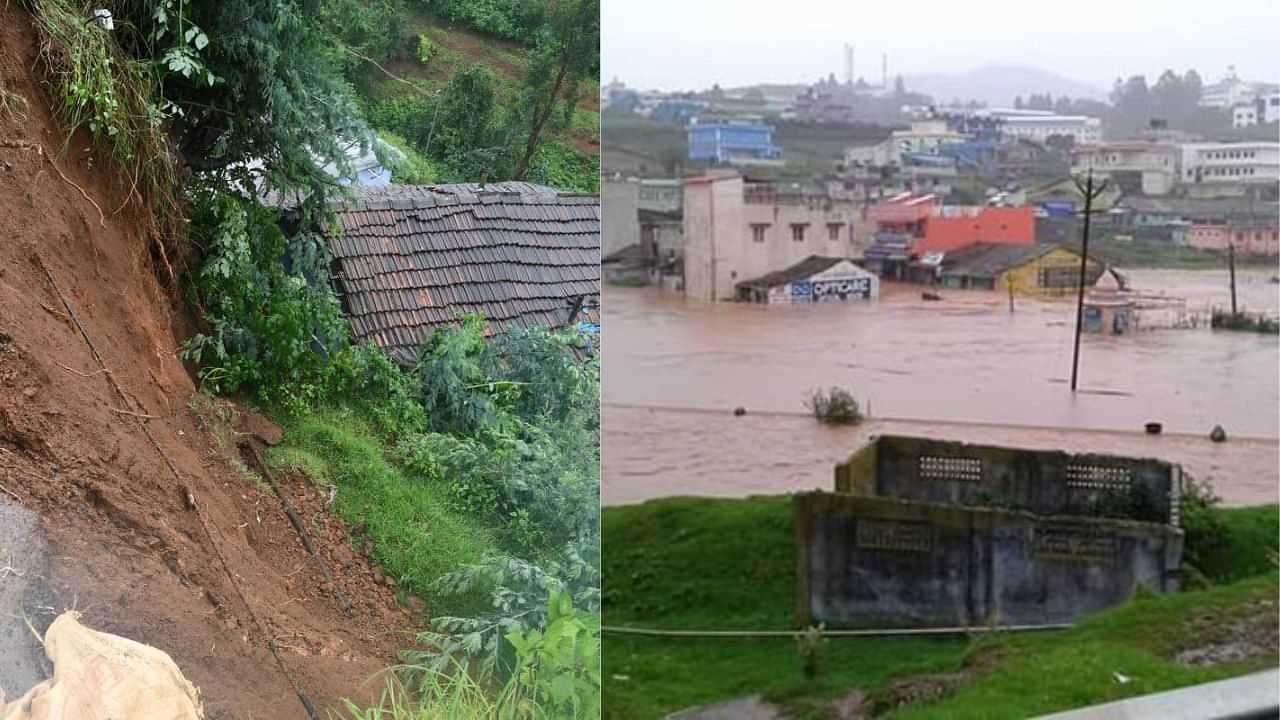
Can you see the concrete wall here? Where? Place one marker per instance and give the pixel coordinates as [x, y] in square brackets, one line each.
[620, 226]
[712, 219]
[931, 533]
[1039, 481]
[875, 562]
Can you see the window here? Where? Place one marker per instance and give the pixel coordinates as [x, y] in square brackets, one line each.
[797, 231]
[833, 231]
[1240, 236]
[757, 232]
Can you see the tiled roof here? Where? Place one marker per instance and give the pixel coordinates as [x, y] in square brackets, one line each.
[411, 258]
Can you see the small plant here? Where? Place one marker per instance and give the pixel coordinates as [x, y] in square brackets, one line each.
[811, 643]
[427, 50]
[836, 407]
[1205, 531]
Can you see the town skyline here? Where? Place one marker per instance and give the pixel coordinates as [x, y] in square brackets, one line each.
[750, 49]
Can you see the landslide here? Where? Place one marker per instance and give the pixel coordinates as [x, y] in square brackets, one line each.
[216, 583]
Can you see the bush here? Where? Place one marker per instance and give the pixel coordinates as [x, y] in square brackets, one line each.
[427, 50]
[272, 331]
[836, 407]
[1245, 322]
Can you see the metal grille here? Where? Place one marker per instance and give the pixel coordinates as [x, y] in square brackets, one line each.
[1099, 477]
[935, 467]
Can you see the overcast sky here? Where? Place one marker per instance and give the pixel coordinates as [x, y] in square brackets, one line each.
[690, 44]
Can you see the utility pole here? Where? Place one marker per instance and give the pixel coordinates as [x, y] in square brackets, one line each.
[1231, 264]
[1089, 192]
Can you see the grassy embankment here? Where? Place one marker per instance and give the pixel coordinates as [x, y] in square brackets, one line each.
[415, 535]
[727, 564]
[1148, 253]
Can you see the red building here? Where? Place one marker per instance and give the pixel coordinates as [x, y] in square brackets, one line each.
[913, 225]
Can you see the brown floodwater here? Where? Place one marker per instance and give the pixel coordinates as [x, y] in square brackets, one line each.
[964, 368]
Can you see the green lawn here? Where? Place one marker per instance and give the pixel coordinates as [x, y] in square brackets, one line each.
[683, 563]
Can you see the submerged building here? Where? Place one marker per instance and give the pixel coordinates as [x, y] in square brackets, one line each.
[734, 231]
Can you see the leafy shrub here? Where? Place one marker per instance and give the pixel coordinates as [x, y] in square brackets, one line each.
[407, 166]
[512, 19]
[427, 50]
[518, 592]
[271, 331]
[557, 676]
[559, 165]
[836, 407]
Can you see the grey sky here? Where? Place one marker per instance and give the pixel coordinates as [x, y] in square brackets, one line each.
[690, 44]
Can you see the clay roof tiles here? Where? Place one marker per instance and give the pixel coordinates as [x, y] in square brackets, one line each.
[412, 258]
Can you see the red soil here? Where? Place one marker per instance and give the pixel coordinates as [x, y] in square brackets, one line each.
[212, 586]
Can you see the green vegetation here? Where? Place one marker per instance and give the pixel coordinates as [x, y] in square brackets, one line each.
[416, 536]
[685, 563]
[557, 677]
[478, 109]
[1245, 321]
[837, 407]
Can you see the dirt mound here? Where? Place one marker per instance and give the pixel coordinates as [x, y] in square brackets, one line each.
[155, 531]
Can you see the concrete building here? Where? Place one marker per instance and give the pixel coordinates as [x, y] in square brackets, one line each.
[621, 204]
[1137, 167]
[661, 194]
[812, 280]
[1041, 270]
[1231, 91]
[1039, 128]
[1238, 163]
[734, 231]
[1261, 238]
[1244, 115]
[924, 137]
[733, 143]
[911, 226]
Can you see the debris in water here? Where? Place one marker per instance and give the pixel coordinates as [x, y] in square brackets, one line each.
[1218, 434]
[739, 411]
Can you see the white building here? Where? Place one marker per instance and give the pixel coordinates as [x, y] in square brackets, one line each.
[1244, 115]
[1270, 107]
[1230, 163]
[1149, 167]
[735, 232]
[1039, 128]
[923, 137]
[1231, 91]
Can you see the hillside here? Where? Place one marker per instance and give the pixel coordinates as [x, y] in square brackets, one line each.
[998, 85]
[570, 154]
[157, 530]
[634, 144]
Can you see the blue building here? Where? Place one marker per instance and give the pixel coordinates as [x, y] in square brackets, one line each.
[732, 143]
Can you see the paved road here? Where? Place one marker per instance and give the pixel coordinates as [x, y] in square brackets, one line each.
[23, 562]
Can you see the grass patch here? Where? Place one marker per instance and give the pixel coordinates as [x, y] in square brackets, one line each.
[1245, 547]
[415, 536]
[1040, 674]
[685, 563]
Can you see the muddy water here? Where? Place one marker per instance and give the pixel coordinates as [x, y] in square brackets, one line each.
[966, 367]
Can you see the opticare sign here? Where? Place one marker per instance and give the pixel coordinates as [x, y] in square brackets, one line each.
[832, 289]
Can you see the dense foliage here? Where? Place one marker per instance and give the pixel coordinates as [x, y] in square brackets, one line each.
[517, 20]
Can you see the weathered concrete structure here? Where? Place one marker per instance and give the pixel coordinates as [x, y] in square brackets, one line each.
[930, 533]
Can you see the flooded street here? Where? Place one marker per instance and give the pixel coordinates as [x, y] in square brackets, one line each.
[674, 370]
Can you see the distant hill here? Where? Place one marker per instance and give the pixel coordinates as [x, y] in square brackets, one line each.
[998, 85]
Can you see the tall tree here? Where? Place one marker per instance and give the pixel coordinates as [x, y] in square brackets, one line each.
[567, 55]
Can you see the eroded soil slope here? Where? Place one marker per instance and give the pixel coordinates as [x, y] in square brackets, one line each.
[214, 583]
